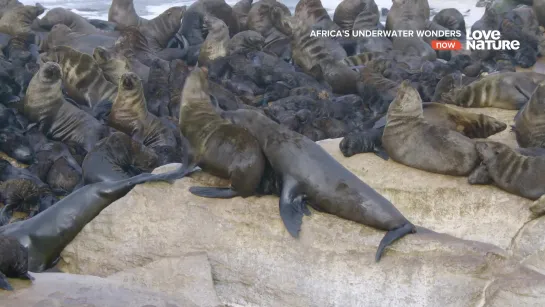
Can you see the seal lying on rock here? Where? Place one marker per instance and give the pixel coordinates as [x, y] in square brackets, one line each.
[59, 119]
[530, 120]
[19, 20]
[75, 22]
[48, 233]
[309, 174]
[411, 140]
[62, 35]
[512, 171]
[13, 261]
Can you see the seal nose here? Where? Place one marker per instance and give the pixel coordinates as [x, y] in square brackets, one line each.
[128, 82]
[52, 71]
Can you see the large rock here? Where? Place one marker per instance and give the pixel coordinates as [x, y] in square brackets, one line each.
[255, 262]
[67, 290]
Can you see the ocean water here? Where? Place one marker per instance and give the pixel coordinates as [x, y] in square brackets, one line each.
[98, 9]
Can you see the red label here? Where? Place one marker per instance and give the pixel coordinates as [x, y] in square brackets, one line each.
[446, 45]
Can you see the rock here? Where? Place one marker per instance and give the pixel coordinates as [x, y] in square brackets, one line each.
[67, 290]
[255, 262]
[188, 276]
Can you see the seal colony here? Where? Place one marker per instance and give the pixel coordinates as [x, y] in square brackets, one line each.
[243, 92]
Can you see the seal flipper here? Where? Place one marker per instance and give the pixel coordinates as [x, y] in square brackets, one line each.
[292, 207]
[379, 151]
[393, 235]
[211, 192]
[6, 214]
[4, 283]
[26, 276]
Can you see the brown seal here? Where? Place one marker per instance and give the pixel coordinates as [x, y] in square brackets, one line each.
[241, 10]
[122, 12]
[215, 44]
[61, 35]
[161, 29]
[245, 41]
[19, 19]
[530, 120]
[321, 57]
[72, 20]
[409, 139]
[265, 17]
[111, 64]
[512, 171]
[82, 77]
[314, 14]
[130, 115]
[217, 146]
[509, 90]
[219, 9]
[348, 11]
[13, 261]
[59, 120]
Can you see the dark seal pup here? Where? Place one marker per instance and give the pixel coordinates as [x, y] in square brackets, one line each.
[13, 261]
[48, 233]
[309, 173]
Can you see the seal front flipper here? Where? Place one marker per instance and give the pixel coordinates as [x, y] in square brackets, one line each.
[292, 207]
[26, 276]
[393, 235]
[4, 284]
[379, 151]
[211, 192]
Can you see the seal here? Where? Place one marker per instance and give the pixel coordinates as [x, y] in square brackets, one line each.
[15, 144]
[161, 29]
[509, 90]
[62, 35]
[21, 195]
[411, 140]
[529, 125]
[348, 11]
[58, 119]
[245, 41]
[75, 22]
[19, 19]
[48, 233]
[83, 79]
[122, 12]
[315, 15]
[265, 17]
[219, 9]
[309, 174]
[241, 10]
[216, 145]
[176, 80]
[321, 57]
[117, 157]
[451, 19]
[157, 90]
[129, 114]
[215, 44]
[111, 64]
[13, 261]
[134, 45]
[513, 172]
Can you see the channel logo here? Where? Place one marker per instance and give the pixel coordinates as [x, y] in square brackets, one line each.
[478, 40]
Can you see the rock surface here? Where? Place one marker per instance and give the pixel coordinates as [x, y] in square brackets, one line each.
[474, 254]
[67, 290]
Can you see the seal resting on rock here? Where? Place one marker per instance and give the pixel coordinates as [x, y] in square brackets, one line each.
[19, 19]
[512, 171]
[62, 35]
[130, 115]
[13, 261]
[530, 120]
[411, 140]
[216, 145]
[59, 119]
[117, 157]
[309, 174]
[48, 233]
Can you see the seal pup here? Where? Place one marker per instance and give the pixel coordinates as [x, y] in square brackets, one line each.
[117, 157]
[130, 115]
[215, 44]
[19, 19]
[309, 174]
[15, 144]
[530, 120]
[509, 90]
[245, 41]
[13, 261]
[511, 171]
[122, 12]
[411, 140]
[48, 233]
[21, 194]
[82, 77]
[216, 145]
[58, 119]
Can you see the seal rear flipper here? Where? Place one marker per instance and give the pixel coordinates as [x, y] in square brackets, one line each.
[211, 192]
[26, 276]
[379, 151]
[4, 283]
[393, 235]
[291, 212]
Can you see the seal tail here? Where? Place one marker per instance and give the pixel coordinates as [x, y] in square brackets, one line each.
[392, 236]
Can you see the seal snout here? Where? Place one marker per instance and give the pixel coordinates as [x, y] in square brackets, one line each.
[51, 71]
[129, 80]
